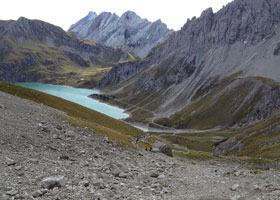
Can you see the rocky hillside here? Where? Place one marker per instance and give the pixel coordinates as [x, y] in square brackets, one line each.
[219, 70]
[44, 157]
[129, 32]
[33, 50]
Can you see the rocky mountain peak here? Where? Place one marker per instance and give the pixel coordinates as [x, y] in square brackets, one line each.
[207, 12]
[91, 13]
[129, 31]
[128, 15]
[22, 20]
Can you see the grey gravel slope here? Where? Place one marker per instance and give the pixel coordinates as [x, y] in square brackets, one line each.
[42, 157]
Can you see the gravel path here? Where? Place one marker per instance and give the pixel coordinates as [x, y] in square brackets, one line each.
[42, 157]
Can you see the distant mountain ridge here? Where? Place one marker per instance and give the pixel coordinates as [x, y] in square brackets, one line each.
[128, 32]
[33, 50]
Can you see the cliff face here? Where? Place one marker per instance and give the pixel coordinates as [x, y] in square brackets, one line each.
[31, 50]
[198, 65]
[129, 32]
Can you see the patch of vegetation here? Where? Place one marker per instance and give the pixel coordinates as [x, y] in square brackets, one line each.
[261, 140]
[144, 145]
[194, 155]
[192, 142]
[140, 115]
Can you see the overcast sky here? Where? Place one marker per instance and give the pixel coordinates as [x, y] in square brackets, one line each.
[63, 13]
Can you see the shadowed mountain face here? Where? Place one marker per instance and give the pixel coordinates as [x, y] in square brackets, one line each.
[129, 32]
[33, 50]
[221, 69]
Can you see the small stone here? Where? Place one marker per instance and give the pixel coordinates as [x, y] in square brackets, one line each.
[45, 129]
[106, 140]
[256, 187]
[55, 136]
[28, 196]
[4, 197]
[154, 174]
[84, 183]
[6, 189]
[64, 157]
[97, 196]
[237, 197]
[10, 162]
[122, 175]
[235, 187]
[39, 193]
[155, 185]
[12, 192]
[19, 173]
[58, 127]
[99, 185]
[55, 191]
[162, 176]
[52, 182]
[2, 106]
[116, 172]
[33, 161]
[238, 173]
[18, 168]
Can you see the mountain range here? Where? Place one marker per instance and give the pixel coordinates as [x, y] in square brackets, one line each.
[128, 32]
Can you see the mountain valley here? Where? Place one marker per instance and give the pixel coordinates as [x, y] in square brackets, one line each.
[207, 97]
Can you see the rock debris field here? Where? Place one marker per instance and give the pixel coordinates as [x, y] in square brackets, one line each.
[43, 157]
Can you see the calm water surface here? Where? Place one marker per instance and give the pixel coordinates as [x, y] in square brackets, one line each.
[79, 96]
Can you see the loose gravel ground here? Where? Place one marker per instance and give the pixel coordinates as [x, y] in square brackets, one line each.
[42, 157]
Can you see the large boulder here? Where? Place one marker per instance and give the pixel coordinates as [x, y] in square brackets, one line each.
[162, 148]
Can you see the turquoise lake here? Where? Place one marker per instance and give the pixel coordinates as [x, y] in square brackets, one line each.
[79, 96]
